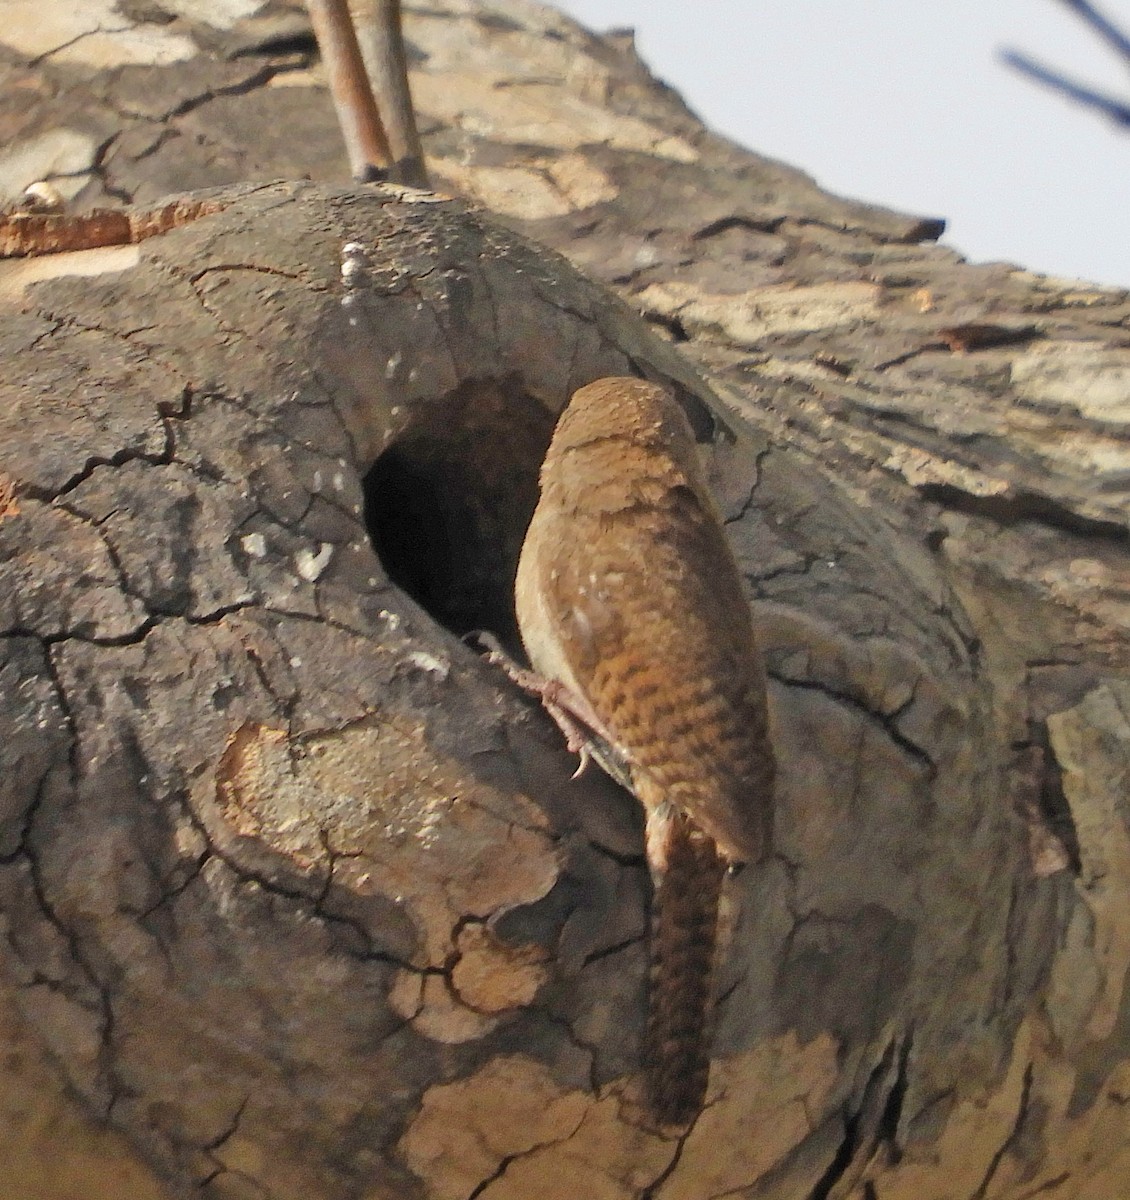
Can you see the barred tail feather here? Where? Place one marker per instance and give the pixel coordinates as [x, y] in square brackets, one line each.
[687, 872]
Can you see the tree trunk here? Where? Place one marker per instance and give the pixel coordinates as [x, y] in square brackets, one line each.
[297, 894]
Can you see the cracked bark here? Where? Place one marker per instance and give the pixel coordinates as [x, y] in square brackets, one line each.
[296, 894]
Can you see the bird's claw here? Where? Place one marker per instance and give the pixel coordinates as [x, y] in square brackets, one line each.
[585, 756]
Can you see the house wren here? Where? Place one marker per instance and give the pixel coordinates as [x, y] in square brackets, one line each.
[629, 600]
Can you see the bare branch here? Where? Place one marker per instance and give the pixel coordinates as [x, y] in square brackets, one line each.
[365, 140]
[379, 35]
[1103, 26]
[1117, 110]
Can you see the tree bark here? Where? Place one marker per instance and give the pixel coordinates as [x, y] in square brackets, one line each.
[297, 894]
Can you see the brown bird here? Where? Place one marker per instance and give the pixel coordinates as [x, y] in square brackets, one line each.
[630, 603]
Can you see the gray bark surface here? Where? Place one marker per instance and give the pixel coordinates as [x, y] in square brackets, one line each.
[297, 895]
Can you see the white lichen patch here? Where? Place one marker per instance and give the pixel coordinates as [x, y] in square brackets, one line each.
[42, 196]
[47, 156]
[254, 545]
[353, 268]
[311, 564]
[428, 663]
[352, 260]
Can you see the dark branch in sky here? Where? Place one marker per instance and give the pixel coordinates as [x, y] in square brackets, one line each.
[1103, 26]
[1117, 110]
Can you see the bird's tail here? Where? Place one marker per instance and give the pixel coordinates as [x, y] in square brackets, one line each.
[687, 873]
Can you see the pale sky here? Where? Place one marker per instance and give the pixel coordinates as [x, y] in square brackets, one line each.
[906, 104]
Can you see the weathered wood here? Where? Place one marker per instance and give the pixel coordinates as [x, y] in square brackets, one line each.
[297, 893]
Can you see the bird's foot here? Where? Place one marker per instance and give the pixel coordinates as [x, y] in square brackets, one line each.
[584, 732]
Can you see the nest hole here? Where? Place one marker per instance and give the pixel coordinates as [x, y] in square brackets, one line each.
[448, 503]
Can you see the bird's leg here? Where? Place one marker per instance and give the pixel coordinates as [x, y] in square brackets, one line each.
[584, 732]
[571, 713]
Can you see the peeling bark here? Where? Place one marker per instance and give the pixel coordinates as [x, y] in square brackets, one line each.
[296, 893]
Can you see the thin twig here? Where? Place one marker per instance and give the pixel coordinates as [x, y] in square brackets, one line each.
[1103, 26]
[382, 47]
[1117, 110]
[365, 140]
